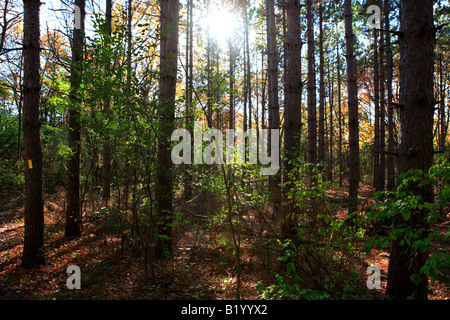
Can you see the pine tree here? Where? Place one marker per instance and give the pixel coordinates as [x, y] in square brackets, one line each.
[292, 109]
[353, 121]
[415, 145]
[164, 166]
[312, 117]
[34, 207]
[73, 213]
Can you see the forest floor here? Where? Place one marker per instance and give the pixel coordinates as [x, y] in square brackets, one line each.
[202, 267]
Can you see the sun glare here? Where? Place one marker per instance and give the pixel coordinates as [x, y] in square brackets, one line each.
[222, 24]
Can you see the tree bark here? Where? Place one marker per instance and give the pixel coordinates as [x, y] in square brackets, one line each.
[376, 85]
[106, 169]
[331, 141]
[164, 167]
[353, 122]
[415, 145]
[321, 153]
[341, 164]
[272, 86]
[34, 208]
[390, 117]
[248, 64]
[292, 117]
[382, 145]
[189, 123]
[442, 120]
[73, 214]
[312, 117]
[127, 167]
[232, 63]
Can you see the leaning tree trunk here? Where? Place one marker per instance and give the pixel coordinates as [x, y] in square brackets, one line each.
[73, 213]
[34, 208]
[164, 166]
[415, 145]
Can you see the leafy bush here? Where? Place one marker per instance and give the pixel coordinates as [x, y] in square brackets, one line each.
[11, 176]
[406, 204]
[317, 260]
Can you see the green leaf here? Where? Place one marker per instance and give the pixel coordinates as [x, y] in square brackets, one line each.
[415, 278]
[290, 267]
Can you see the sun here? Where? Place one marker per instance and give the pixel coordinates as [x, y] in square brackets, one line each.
[222, 24]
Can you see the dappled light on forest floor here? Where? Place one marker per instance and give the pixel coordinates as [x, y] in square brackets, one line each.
[203, 265]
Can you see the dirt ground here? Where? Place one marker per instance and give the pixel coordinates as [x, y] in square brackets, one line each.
[203, 265]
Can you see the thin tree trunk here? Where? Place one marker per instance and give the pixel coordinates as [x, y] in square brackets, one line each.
[106, 169]
[189, 91]
[341, 164]
[34, 207]
[442, 122]
[382, 145]
[127, 168]
[390, 156]
[331, 143]
[376, 85]
[312, 118]
[263, 94]
[321, 153]
[19, 108]
[73, 214]
[232, 112]
[208, 70]
[247, 58]
[274, 112]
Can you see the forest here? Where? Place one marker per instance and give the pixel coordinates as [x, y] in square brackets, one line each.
[261, 150]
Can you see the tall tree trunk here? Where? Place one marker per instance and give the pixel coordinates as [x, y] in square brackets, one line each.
[376, 85]
[321, 149]
[166, 110]
[248, 65]
[382, 145]
[127, 168]
[245, 93]
[189, 90]
[331, 143]
[34, 207]
[312, 117]
[208, 70]
[353, 122]
[292, 109]
[232, 62]
[272, 86]
[415, 145]
[106, 169]
[19, 108]
[341, 164]
[73, 214]
[263, 94]
[442, 120]
[390, 118]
